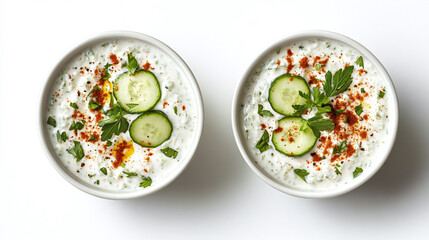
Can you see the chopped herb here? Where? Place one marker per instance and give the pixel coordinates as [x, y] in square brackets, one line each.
[132, 64]
[131, 105]
[362, 90]
[336, 169]
[93, 104]
[357, 172]
[130, 174]
[95, 88]
[340, 148]
[91, 175]
[52, 122]
[109, 143]
[77, 125]
[381, 93]
[302, 173]
[339, 82]
[265, 113]
[123, 164]
[338, 111]
[359, 61]
[115, 124]
[73, 105]
[318, 66]
[112, 102]
[169, 152]
[262, 144]
[175, 109]
[147, 181]
[318, 124]
[319, 99]
[359, 109]
[61, 137]
[103, 170]
[76, 151]
[97, 182]
[301, 47]
[106, 74]
[346, 119]
[92, 138]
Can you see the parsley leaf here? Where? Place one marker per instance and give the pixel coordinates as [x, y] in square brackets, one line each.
[61, 137]
[73, 105]
[97, 182]
[123, 164]
[76, 151]
[319, 99]
[95, 88]
[263, 113]
[318, 124]
[362, 90]
[103, 170]
[113, 125]
[262, 144]
[381, 93]
[92, 138]
[132, 64]
[130, 174]
[324, 109]
[302, 173]
[106, 74]
[339, 82]
[318, 66]
[169, 152]
[147, 181]
[109, 143]
[51, 121]
[359, 109]
[359, 61]
[76, 125]
[357, 172]
[91, 175]
[93, 104]
[340, 148]
[175, 109]
[336, 169]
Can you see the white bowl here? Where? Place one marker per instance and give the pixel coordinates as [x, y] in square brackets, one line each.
[53, 157]
[344, 188]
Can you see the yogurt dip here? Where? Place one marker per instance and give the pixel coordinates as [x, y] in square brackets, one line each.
[81, 98]
[360, 116]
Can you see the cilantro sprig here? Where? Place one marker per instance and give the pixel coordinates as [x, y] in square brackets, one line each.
[115, 124]
[262, 144]
[315, 99]
[339, 82]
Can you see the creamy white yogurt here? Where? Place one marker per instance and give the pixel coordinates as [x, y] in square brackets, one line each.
[73, 85]
[367, 136]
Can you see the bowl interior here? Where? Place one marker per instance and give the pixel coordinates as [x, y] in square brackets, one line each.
[239, 133]
[55, 160]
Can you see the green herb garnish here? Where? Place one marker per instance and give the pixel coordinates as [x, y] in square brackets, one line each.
[339, 82]
[359, 109]
[109, 143]
[51, 121]
[318, 124]
[106, 74]
[362, 90]
[319, 99]
[359, 61]
[301, 47]
[336, 169]
[93, 105]
[381, 93]
[76, 151]
[130, 174]
[175, 109]
[262, 144]
[73, 105]
[357, 172]
[147, 181]
[302, 173]
[97, 182]
[318, 66]
[263, 113]
[169, 152]
[77, 125]
[95, 88]
[61, 137]
[115, 124]
[91, 175]
[92, 138]
[123, 164]
[103, 170]
[340, 148]
[132, 64]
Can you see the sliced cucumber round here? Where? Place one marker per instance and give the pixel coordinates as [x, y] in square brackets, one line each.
[137, 92]
[293, 136]
[284, 93]
[151, 129]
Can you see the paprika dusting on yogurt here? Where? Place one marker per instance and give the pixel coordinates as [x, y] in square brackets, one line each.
[341, 124]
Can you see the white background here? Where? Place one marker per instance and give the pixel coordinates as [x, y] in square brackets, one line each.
[218, 196]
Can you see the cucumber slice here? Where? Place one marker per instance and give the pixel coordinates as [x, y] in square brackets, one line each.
[293, 137]
[284, 93]
[137, 92]
[151, 129]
